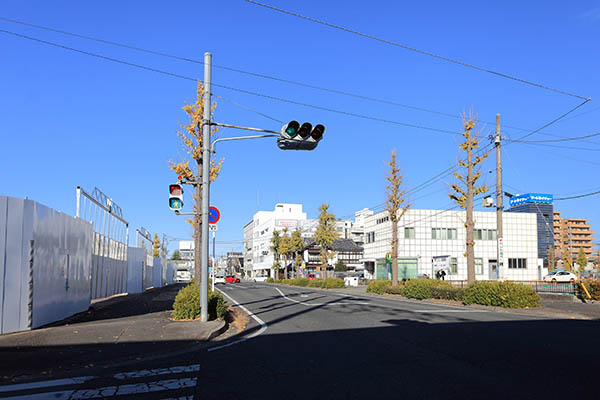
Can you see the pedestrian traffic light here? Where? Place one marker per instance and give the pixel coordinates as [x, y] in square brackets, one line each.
[175, 197]
[300, 137]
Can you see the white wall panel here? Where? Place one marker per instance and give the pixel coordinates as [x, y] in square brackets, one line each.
[136, 262]
[3, 211]
[157, 273]
[62, 265]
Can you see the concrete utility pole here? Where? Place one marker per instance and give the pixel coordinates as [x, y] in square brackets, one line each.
[205, 187]
[499, 197]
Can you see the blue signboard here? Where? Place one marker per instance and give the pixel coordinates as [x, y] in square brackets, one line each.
[531, 198]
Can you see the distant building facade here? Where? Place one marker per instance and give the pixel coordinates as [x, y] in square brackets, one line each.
[431, 240]
[571, 235]
[542, 206]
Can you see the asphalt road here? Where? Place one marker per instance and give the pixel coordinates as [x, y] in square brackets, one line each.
[314, 344]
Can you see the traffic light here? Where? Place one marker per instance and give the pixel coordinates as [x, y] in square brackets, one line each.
[175, 197]
[300, 137]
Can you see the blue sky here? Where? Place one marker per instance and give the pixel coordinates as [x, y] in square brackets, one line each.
[69, 119]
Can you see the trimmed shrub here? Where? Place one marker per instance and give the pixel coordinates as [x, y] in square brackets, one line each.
[270, 280]
[333, 283]
[394, 289]
[502, 294]
[286, 281]
[300, 282]
[451, 293]
[423, 288]
[592, 286]
[378, 286]
[316, 283]
[187, 303]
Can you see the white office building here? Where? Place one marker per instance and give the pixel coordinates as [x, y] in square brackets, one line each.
[430, 240]
[186, 249]
[258, 257]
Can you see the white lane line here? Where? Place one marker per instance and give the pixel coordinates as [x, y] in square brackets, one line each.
[263, 325]
[446, 309]
[41, 384]
[158, 371]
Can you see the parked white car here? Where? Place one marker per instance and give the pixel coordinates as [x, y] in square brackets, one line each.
[219, 279]
[560, 276]
[260, 278]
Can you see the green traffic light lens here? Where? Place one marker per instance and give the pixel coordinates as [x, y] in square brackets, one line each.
[175, 204]
[290, 130]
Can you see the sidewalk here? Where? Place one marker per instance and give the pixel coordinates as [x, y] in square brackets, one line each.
[129, 327]
[553, 306]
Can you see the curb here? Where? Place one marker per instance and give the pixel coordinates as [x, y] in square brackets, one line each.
[218, 331]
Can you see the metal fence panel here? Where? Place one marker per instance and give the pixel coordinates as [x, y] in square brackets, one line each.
[3, 230]
[11, 306]
[62, 261]
[157, 273]
[109, 249]
[136, 263]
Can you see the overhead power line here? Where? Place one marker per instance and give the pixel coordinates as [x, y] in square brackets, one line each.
[262, 76]
[578, 196]
[554, 140]
[427, 53]
[176, 75]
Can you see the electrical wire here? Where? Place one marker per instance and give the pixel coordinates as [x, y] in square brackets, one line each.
[423, 52]
[554, 140]
[140, 66]
[264, 76]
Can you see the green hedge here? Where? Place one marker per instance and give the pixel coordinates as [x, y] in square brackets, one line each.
[300, 282]
[423, 288]
[394, 289]
[378, 286]
[329, 283]
[502, 294]
[187, 303]
[333, 283]
[315, 283]
[451, 293]
[592, 286]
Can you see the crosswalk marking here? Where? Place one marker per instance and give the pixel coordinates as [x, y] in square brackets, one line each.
[116, 385]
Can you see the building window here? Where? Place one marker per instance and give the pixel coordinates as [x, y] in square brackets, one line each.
[517, 263]
[382, 220]
[409, 233]
[443, 233]
[453, 266]
[479, 266]
[370, 237]
[484, 234]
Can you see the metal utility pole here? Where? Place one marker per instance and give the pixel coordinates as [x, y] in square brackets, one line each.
[499, 197]
[205, 186]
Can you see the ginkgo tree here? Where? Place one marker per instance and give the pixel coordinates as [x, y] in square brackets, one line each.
[466, 189]
[192, 143]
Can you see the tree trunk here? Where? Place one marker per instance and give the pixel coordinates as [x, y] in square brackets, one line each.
[470, 224]
[394, 251]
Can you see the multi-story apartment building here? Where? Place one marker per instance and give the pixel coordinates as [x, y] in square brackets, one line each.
[571, 235]
[430, 240]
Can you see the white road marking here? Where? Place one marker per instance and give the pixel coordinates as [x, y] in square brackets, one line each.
[442, 309]
[113, 390]
[343, 302]
[102, 392]
[263, 325]
[42, 384]
[157, 371]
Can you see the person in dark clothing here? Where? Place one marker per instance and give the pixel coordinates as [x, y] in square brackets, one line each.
[443, 274]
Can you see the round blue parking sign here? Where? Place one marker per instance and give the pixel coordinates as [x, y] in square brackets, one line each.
[213, 215]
